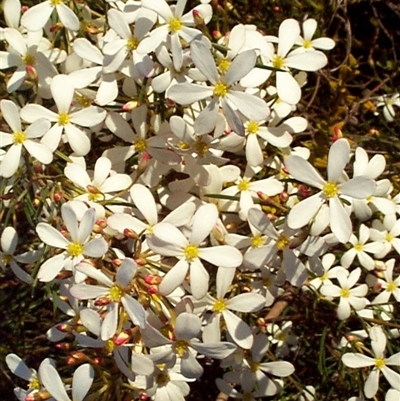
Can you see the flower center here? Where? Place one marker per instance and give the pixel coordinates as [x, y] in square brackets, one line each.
[6, 259]
[257, 241]
[74, 249]
[115, 293]
[175, 25]
[282, 243]
[180, 347]
[379, 363]
[220, 89]
[391, 286]
[345, 293]
[140, 145]
[278, 62]
[109, 346]
[183, 145]
[307, 44]
[201, 148]
[162, 379]
[83, 101]
[29, 59]
[330, 189]
[191, 252]
[223, 65]
[219, 306]
[55, 2]
[389, 237]
[254, 366]
[243, 185]
[358, 247]
[132, 43]
[252, 127]
[19, 138]
[63, 119]
[34, 383]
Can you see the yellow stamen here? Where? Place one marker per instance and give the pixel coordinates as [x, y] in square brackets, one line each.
[191, 252]
[29, 59]
[140, 145]
[220, 89]
[63, 119]
[115, 293]
[132, 43]
[223, 65]
[19, 138]
[243, 185]
[282, 243]
[74, 249]
[201, 147]
[252, 127]
[175, 25]
[307, 44]
[330, 189]
[345, 293]
[379, 363]
[391, 286]
[278, 62]
[219, 306]
[180, 347]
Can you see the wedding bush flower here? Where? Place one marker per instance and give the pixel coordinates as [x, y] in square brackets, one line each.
[174, 213]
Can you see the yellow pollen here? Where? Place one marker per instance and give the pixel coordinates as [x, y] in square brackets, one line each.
[183, 146]
[29, 59]
[162, 379]
[223, 65]
[63, 119]
[55, 2]
[6, 259]
[257, 241]
[34, 383]
[149, 230]
[281, 336]
[140, 145]
[389, 237]
[345, 293]
[324, 277]
[191, 252]
[358, 247]
[109, 346]
[219, 306]
[379, 363]
[201, 148]
[74, 249]
[132, 43]
[180, 347]
[83, 101]
[282, 243]
[243, 185]
[391, 286]
[254, 366]
[115, 293]
[175, 25]
[330, 189]
[252, 127]
[307, 44]
[220, 89]
[19, 138]
[278, 62]
[95, 196]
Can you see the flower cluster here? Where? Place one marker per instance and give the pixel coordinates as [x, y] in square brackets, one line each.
[173, 210]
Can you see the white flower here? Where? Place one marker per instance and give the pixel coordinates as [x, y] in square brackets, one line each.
[388, 101]
[224, 306]
[79, 245]
[222, 91]
[114, 292]
[19, 139]
[169, 241]
[9, 241]
[360, 249]
[35, 17]
[62, 89]
[329, 272]
[81, 381]
[350, 296]
[379, 362]
[307, 43]
[357, 187]
[389, 285]
[186, 344]
[387, 233]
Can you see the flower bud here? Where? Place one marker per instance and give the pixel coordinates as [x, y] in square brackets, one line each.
[153, 279]
[75, 358]
[129, 106]
[197, 17]
[57, 196]
[303, 191]
[31, 72]
[128, 232]
[39, 396]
